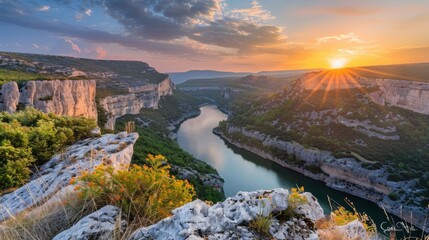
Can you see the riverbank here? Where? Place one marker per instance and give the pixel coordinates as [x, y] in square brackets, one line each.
[342, 186]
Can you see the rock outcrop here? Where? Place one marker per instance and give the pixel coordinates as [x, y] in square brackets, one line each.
[54, 176]
[102, 224]
[405, 94]
[413, 96]
[146, 96]
[63, 97]
[229, 219]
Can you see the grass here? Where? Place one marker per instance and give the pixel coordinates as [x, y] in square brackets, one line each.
[7, 75]
[46, 220]
[261, 224]
[122, 68]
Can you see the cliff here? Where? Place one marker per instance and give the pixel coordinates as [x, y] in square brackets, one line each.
[413, 96]
[405, 94]
[145, 96]
[343, 174]
[66, 98]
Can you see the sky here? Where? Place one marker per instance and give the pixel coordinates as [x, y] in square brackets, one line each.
[228, 35]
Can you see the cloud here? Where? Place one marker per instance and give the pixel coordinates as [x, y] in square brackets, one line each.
[78, 16]
[35, 45]
[73, 45]
[255, 13]
[190, 28]
[44, 8]
[101, 52]
[88, 12]
[350, 37]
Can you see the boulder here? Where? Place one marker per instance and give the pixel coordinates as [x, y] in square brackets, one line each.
[106, 223]
[230, 219]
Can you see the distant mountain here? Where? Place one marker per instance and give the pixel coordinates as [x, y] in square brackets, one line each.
[180, 77]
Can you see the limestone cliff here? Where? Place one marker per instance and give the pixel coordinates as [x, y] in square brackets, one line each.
[145, 96]
[62, 97]
[405, 94]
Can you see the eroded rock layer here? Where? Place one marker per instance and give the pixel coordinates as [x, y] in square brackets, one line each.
[74, 98]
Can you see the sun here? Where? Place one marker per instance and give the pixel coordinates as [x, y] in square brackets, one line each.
[336, 63]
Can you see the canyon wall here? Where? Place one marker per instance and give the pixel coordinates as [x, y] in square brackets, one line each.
[145, 96]
[63, 97]
[410, 95]
[405, 94]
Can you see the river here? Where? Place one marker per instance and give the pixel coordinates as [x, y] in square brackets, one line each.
[245, 171]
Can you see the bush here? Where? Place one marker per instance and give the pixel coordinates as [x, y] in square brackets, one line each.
[33, 137]
[146, 194]
[295, 198]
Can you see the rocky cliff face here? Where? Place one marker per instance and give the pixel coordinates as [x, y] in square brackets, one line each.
[67, 98]
[344, 174]
[145, 96]
[405, 94]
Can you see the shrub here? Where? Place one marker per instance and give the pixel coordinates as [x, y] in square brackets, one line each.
[341, 216]
[145, 194]
[32, 137]
[14, 165]
[296, 199]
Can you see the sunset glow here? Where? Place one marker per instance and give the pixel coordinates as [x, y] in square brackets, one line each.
[338, 63]
[227, 35]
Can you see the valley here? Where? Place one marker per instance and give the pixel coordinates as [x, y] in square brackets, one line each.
[324, 125]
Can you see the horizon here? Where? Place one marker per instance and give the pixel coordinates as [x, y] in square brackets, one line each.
[220, 70]
[249, 36]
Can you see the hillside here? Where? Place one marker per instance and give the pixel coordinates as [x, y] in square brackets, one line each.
[412, 72]
[359, 134]
[181, 77]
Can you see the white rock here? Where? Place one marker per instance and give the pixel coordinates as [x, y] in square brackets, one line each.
[102, 224]
[111, 149]
[62, 97]
[311, 209]
[145, 96]
[9, 97]
[220, 221]
[353, 230]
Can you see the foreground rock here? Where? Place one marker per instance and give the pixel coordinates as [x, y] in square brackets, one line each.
[102, 224]
[54, 176]
[230, 219]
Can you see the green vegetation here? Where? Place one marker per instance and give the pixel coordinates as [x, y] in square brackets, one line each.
[153, 139]
[30, 138]
[171, 108]
[134, 69]
[145, 194]
[413, 71]
[7, 75]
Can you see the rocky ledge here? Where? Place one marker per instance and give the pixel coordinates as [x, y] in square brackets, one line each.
[230, 219]
[52, 181]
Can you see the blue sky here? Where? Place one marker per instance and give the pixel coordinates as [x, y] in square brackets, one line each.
[234, 35]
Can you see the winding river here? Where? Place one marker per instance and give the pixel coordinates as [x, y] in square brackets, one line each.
[245, 171]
